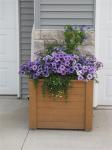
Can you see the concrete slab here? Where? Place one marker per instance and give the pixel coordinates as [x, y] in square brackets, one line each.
[13, 124]
[14, 133]
[98, 139]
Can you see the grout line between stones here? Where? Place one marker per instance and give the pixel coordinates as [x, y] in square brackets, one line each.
[24, 140]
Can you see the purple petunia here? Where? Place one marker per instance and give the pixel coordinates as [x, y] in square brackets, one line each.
[58, 62]
[34, 67]
[80, 77]
[89, 77]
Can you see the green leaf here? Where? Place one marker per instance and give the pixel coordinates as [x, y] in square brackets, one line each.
[57, 86]
[73, 38]
[35, 82]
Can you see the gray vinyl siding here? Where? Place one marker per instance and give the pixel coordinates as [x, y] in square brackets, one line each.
[94, 13]
[57, 13]
[26, 8]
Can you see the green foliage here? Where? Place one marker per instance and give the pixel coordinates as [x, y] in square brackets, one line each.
[49, 49]
[35, 82]
[73, 38]
[57, 85]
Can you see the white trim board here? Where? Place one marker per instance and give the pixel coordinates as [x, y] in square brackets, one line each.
[101, 96]
[104, 46]
[95, 102]
[97, 48]
[17, 48]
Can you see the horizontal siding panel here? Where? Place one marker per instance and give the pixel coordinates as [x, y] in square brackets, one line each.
[25, 58]
[23, 61]
[25, 35]
[27, 11]
[61, 12]
[27, 4]
[25, 46]
[25, 55]
[24, 79]
[26, 24]
[25, 85]
[57, 26]
[27, 17]
[26, 29]
[65, 8]
[25, 52]
[52, 27]
[26, 0]
[25, 91]
[25, 41]
[67, 2]
[66, 21]
[66, 15]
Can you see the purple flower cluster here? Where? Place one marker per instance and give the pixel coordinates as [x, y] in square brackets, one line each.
[59, 62]
[87, 67]
[32, 69]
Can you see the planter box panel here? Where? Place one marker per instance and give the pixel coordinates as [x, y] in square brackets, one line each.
[79, 85]
[76, 113]
[61, 125]
[60, 118]
[59, 114]
[73, 98]
[76, 91]
[63, 114]
[61, 105]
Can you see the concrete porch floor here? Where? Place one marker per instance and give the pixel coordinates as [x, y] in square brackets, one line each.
[15, 135]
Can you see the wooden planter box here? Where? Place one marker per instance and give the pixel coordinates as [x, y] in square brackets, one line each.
[76, 113]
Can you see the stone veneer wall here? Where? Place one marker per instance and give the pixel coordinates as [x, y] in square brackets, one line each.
[42, 37]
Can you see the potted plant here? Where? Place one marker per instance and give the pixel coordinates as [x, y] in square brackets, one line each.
[61, 85]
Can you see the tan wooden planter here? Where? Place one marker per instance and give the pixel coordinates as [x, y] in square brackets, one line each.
[76, 113]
